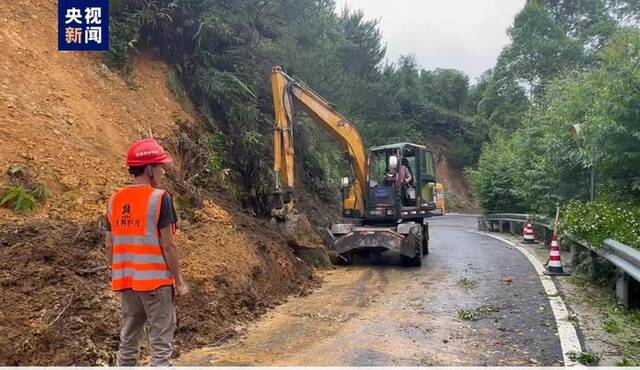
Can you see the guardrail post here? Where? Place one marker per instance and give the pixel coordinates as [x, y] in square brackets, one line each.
[482, 224]
[500, 226]
[573, 251]
[622, 288]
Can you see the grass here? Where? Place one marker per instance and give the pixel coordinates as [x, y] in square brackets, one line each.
[472, 315]
[40, 192]
[572, 318]
[585, 358]
[176, 87]
[487, 309]
[611, 326]
[467, 283]
[627, 362]
[467, 315]
[22, 194]
[621, 323]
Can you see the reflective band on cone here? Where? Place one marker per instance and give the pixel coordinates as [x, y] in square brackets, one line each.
[554, 266]
[529, 238]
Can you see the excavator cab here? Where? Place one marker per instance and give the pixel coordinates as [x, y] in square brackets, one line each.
[401, 183]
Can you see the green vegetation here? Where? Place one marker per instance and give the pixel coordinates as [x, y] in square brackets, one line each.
[539, 164]
[467, 283]
[622, 324]
[585, 358]
[473, 315]
[487, 309]
[564, 65]
[602, 219]
[18, 198]
[610, 325]
[573, 318]
[221, 54]
[23, 193]
[40, 192]
[467, 315]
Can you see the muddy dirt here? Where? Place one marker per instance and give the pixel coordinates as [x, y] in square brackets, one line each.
[58, 309]
[68, 117]
[457, 189]
[378, 313]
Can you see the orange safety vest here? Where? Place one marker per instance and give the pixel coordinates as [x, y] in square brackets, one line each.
[138, 262]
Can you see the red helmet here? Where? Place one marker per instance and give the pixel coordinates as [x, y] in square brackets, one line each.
[146, 151]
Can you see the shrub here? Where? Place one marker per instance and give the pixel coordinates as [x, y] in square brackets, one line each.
[603, 219]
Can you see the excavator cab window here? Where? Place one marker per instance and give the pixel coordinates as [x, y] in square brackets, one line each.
[381, 173]
[426, 179]
[408, 171]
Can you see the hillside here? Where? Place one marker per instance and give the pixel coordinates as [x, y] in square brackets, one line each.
[458, 194]
[66, 119]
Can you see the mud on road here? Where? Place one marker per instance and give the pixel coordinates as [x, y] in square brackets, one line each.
[475, 301]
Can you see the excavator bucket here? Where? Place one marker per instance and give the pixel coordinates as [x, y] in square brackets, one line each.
[303, 239]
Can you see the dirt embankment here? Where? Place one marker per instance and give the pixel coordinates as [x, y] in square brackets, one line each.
[68, 119]
[458, 194]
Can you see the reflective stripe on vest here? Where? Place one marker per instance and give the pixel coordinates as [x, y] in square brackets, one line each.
[138, 262]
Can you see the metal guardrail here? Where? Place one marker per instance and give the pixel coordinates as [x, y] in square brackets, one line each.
[625, 258]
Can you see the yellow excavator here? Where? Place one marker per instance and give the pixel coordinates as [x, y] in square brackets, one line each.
[387, 200]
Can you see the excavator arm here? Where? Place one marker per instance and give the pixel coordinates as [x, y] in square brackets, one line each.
[288, 93]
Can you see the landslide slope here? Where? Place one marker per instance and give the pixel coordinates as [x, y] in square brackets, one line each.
[67, 120]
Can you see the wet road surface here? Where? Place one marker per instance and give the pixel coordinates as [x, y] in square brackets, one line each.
[377, 312]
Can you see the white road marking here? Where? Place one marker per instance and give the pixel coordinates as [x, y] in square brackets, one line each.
[569, 341]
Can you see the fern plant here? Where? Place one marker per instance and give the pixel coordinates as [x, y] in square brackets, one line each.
[18, 198]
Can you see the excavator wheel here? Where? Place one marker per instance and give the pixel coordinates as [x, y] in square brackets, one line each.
[416, 260]
[348, 258]
[425, 240]
[409, 261]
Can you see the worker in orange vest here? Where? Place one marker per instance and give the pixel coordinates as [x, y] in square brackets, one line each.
[141, 248]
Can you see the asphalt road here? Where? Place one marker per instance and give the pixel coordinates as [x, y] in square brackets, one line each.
[378, 313]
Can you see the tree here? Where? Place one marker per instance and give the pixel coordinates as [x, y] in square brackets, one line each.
[363, 50]
[539, 164]
[540, 48]
[447, 88]
[502, 105]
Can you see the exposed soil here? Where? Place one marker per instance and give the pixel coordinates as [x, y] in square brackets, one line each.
[57, 308]
[67, 119]
[458, 194]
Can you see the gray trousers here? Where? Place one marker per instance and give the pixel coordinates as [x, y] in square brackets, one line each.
[157, 308]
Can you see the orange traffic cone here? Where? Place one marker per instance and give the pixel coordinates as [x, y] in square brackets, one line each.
[527, 233]
[554, 266]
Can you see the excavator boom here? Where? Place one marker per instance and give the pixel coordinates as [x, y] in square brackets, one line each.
[288, 93]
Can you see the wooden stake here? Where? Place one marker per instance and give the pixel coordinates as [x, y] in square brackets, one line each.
[555, 225]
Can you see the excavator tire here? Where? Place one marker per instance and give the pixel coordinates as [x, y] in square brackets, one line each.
[425, 240]
[416, 260]
[348, 258]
